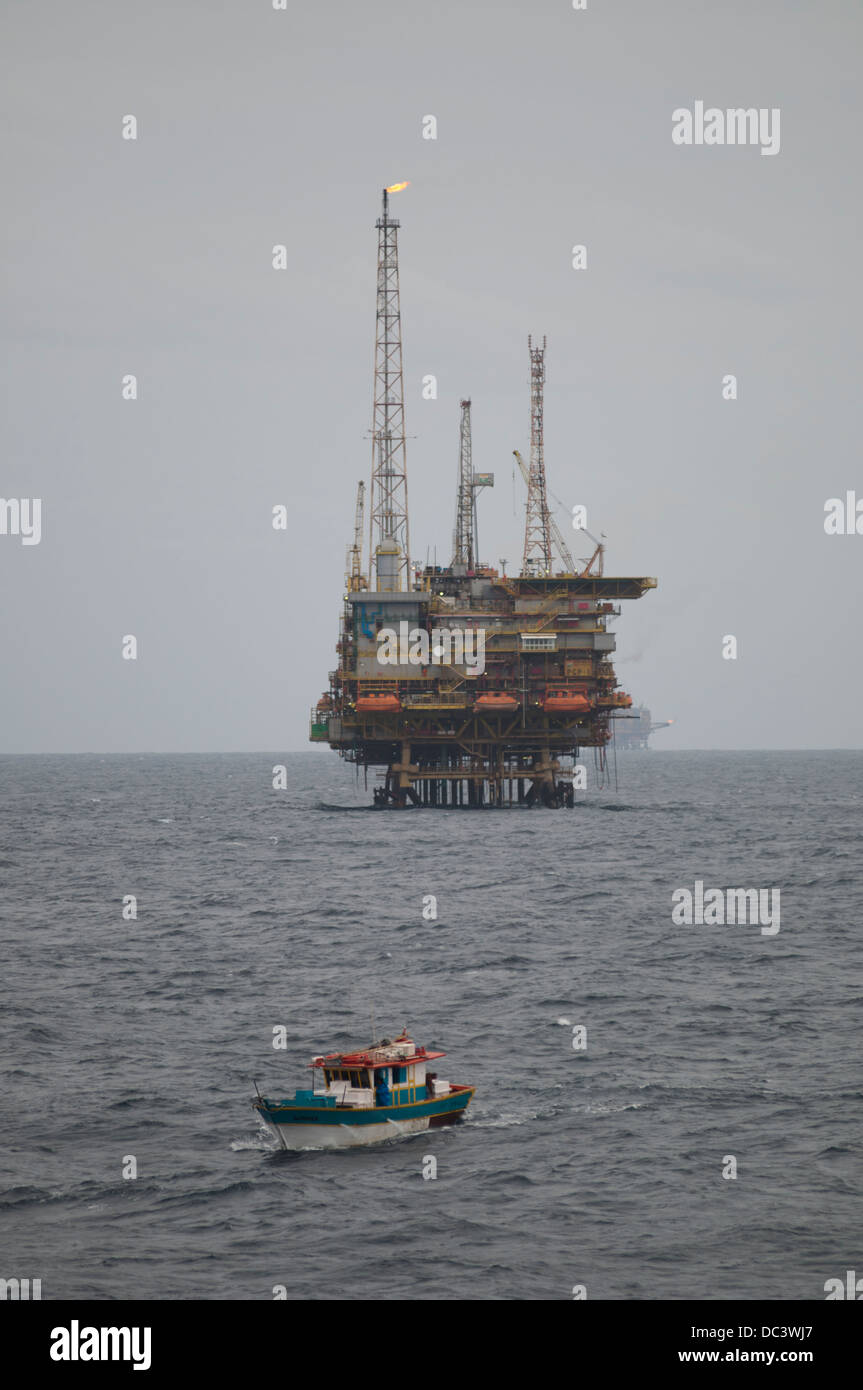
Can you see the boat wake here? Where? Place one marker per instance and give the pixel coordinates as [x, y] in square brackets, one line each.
[509, 1121]
[600, 1109]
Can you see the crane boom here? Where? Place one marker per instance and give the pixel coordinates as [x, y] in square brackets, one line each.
[355, 578]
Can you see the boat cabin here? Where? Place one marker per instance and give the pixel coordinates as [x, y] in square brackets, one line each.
[389, 1073]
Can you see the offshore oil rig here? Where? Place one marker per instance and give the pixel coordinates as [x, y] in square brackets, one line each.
[634, 730]
[467, 686]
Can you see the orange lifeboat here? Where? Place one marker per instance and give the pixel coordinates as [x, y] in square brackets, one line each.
[495, 702]
[378, 702]
[565, 702]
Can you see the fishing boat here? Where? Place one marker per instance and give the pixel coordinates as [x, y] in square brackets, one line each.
[379, 1092]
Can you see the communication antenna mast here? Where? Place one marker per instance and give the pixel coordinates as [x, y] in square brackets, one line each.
[537, 532]
[388, 525]
[556, 533]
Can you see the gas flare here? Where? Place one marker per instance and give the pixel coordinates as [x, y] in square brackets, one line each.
[397, 187]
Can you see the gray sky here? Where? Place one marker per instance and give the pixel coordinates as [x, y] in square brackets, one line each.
[258, 127]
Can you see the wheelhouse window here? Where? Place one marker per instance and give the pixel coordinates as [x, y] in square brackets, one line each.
[357, 1079]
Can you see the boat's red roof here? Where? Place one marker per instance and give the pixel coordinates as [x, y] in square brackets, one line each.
[365, 1059]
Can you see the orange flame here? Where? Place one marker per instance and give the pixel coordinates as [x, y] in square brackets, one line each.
[397, 187]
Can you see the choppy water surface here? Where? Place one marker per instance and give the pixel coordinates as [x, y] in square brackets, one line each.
[304, 908]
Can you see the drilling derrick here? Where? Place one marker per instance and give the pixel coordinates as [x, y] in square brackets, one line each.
[467, 687]
[389, 547]
[465, 541]
[537, 532]
[465, 545]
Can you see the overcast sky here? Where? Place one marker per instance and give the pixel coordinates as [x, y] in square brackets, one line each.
[554, 128]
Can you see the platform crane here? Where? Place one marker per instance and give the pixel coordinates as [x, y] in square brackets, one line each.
[354, 577]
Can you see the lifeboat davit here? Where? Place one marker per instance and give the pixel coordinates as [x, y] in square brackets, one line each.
[495, 703]
[565, 702]
[378, 702]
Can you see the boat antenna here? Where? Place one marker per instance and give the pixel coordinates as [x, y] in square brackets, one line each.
[373, 1024]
